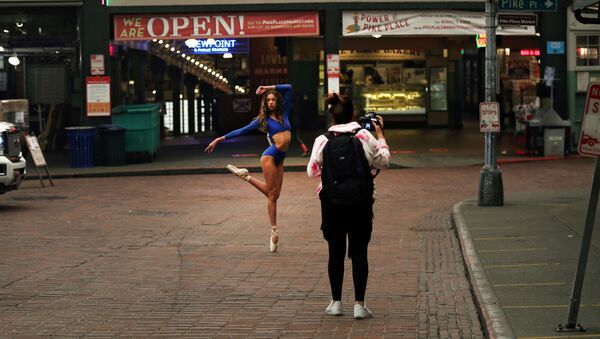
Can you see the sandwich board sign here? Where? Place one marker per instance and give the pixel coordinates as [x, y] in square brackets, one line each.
[38, 157]
[589, 138]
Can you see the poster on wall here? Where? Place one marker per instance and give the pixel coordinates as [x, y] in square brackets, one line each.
[97, 64]
[97, 96]
[333, 73]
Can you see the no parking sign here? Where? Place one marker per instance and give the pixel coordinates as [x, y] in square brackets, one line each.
[590, 134]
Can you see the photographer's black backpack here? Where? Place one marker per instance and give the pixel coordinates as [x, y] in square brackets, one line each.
[346, 175]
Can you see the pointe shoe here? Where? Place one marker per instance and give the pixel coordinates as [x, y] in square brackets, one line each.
[274, 234]
[241, 173]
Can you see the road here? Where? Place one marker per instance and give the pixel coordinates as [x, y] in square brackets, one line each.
[188, 256]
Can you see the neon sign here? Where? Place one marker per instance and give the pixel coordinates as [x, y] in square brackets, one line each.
[530, 52]
[220, 46]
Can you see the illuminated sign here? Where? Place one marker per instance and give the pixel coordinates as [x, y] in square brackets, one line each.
[220, 46]
[530, 52]
[480, 40]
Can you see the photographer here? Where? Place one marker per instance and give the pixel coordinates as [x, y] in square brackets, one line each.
[343, 158]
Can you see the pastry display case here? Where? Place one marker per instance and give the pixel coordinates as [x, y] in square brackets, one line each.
[394, 99]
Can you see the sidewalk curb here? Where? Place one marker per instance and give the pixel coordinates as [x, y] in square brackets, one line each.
[166, 171]
[494, 320]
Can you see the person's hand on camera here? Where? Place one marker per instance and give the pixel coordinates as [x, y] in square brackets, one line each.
[379, 126]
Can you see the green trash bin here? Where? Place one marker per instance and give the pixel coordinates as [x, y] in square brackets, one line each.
[142, 129]
[111, 145]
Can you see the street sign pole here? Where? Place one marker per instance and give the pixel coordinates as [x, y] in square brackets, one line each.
[491, 191]
[588, 146]
[571, 324]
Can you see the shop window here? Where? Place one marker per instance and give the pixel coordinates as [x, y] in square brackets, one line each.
[587, 47]
[184, 120]
[439, 83]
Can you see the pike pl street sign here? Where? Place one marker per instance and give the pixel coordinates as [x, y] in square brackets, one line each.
[527, 5]
[517, 19]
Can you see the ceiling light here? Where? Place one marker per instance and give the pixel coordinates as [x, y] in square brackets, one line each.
[153, 40]
[1, 49]
[6, 31]
[227, 55]
[167, 45]
[172, 49]
[376, 36]
[191, 43]
[14, 60]
[19, 24]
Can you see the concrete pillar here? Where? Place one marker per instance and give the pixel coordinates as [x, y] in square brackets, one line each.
[94, 39]
[333, 31]
[137, 65]
[552, 28]
[158, 68]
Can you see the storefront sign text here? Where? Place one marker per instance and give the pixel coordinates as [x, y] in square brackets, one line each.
[356, 23]
[220, 46]
[184, 26]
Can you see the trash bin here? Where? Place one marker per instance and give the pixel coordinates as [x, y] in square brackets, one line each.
[111, 146]
[81, 144]
[554, 142]
[142, 128]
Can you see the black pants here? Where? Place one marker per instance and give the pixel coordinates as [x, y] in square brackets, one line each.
[354, 223]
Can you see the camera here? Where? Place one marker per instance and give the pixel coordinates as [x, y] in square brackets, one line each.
[368, 121]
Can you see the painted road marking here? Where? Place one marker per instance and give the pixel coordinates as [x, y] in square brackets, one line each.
[546, 306]
[403, 152]
[504, 238]
[522, 265]
[495, 228]
[563, 337]
[515, 249]
[531, 284]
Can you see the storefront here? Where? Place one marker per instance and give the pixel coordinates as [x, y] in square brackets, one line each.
[409, 65]
[39, 62]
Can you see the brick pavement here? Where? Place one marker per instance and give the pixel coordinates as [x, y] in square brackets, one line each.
[188, 256]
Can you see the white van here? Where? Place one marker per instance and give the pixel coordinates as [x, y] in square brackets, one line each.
[13, 166]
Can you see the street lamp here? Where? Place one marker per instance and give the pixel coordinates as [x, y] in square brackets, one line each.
[14, 60]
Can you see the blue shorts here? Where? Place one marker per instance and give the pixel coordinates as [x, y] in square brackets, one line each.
[277, 155]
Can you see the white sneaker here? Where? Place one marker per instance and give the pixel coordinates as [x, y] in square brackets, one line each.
[334, 308]
[241, 173]
[362, 312]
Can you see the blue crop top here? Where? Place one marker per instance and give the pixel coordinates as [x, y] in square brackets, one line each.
[273, 126]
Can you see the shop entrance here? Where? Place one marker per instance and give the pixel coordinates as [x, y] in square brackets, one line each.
[471, 85]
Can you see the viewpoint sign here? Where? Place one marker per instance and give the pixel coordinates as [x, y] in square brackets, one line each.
[590, 128]
[220, 46]
[527, 5]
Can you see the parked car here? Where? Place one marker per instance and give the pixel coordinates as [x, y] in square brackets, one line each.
[13, 166]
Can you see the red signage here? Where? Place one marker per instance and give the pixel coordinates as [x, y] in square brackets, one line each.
[186, 26]
[530, 52]
[590, 128]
